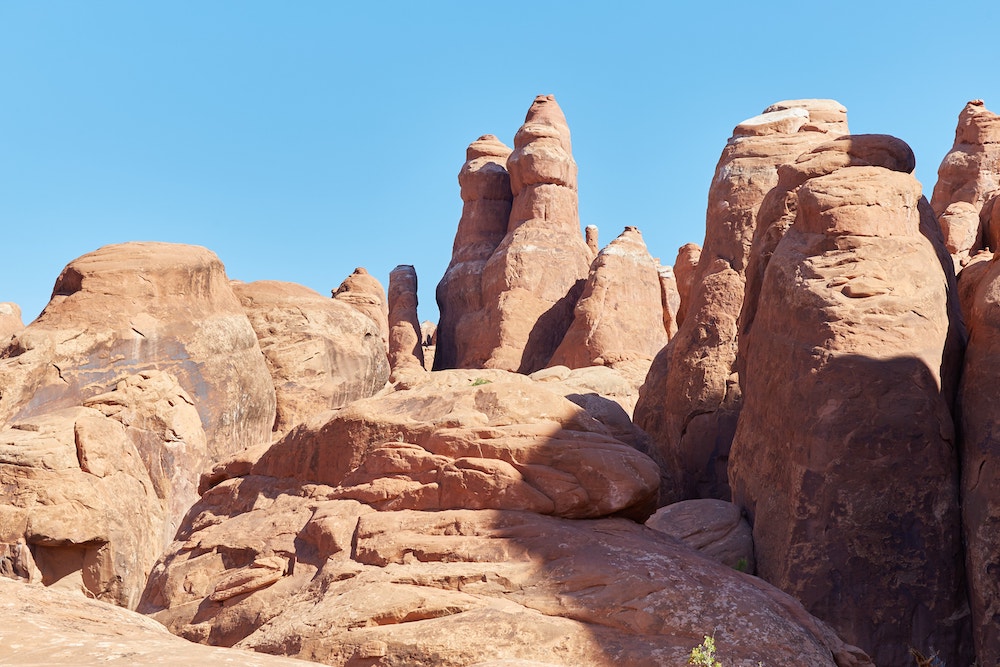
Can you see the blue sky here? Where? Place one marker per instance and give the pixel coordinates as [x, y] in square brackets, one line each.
[299, 140]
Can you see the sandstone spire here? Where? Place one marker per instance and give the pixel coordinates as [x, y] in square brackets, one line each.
[363, 292]
[619, 316]
[486, 197]
[405, 349]
[969, 174]
[691, 412]
[532, 281]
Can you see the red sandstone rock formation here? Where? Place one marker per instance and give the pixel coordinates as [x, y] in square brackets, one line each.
[590, 234]
[694, 417]
[73, 485]
[779, 207]
[45, 626]
[363, 292]
[619, 316]
[321, 352]
[670, 299]
[685, 267]
[715, 528]
[406, 352]
[970, 174]
[124, 309]
[534, 278]
[357, 574]
[853, 492]
[980, 418]
[10, 321]
[163, 425]
[486, 197]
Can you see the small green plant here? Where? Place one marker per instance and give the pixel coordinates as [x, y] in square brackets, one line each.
[480, 381]
[742, 565]
[703, 655]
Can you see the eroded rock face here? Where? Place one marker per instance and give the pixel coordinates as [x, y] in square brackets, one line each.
[969, 174]
[487, 199]
[321, 353]
[406, 352]
[853, 329]
[670, 299]
[10, 321]
[127, 308]
[325, 538]
[685, 268]
[694, 419]
[457, 444]
[981, 456]
[715, 528]
[619, 316]
[532, 281]
[363, 292]
[163, 425]
[780, 205]
[74, 487]
[44, 626]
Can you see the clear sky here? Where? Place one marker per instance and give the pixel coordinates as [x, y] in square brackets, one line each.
[299, 140]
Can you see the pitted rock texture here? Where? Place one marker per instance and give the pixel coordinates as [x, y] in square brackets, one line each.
[321, 353]
[532, 281]
[125, 309]
[363, 292]
[853, 329]
[339, 566]
[780, 205]
[694, 417]
[486, 204]
[619, 317]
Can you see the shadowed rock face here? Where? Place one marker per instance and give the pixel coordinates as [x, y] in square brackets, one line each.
[981, 456]
[321, 353]
[852, 328]
[691, 411]
[487, 199]
[324, 548]
[533, 279]
[619, 316]
[132, 307]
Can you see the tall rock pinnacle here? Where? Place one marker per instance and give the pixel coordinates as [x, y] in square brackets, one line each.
[531, 283]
